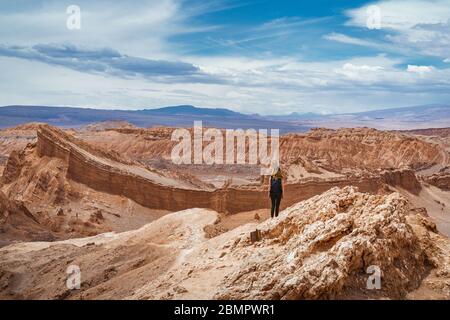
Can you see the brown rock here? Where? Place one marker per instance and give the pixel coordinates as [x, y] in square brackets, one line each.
[316, 249]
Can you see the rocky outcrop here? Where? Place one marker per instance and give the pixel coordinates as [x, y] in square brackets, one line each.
[322, 248]
[403, 178]
[328, 247]
[13, 167]
[440, 179]
[18, 223]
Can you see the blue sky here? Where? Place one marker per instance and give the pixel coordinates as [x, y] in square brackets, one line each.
[269, 57]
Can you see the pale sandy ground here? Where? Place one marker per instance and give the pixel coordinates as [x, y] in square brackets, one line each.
[294, 173]
[111, 262]
[172, 242]
[120, 213]
[437, 203]
[297, 172]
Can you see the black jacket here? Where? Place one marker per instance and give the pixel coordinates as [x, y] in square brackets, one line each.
[276, 186]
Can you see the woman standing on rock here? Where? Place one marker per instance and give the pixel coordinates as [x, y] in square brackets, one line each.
[276, 191]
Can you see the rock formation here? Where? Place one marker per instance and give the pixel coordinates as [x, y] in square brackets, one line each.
[337, 150]
[61, 171]
[18, 223]
[317, 249]
[440, 179]
[114, 176]
[102, 198]
[322, 248]
[361, 148]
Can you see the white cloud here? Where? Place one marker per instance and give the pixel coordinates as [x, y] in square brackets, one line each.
[141, 28]
[419, 69]
[109, 62]
[417, 25]
[403, 14]
[359, 72]
[382, 46]
[339, 37]
[265, 84]
[251, 85]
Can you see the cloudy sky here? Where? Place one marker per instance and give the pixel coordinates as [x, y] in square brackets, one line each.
[252, 56]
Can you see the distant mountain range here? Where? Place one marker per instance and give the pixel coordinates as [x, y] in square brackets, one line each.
[417, 117]
[417, 113]
[175, 116]
[426, 116]
[430, 112]
[191, 110]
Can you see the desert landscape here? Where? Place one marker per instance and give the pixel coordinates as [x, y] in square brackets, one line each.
[225, 158]
[107, 197]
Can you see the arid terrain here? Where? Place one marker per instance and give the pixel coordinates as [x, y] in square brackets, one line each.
[107, 197]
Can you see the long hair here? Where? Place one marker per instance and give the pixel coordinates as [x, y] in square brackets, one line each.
[277, 173]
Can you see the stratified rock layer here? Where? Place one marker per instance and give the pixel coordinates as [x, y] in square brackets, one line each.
[109, 174]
